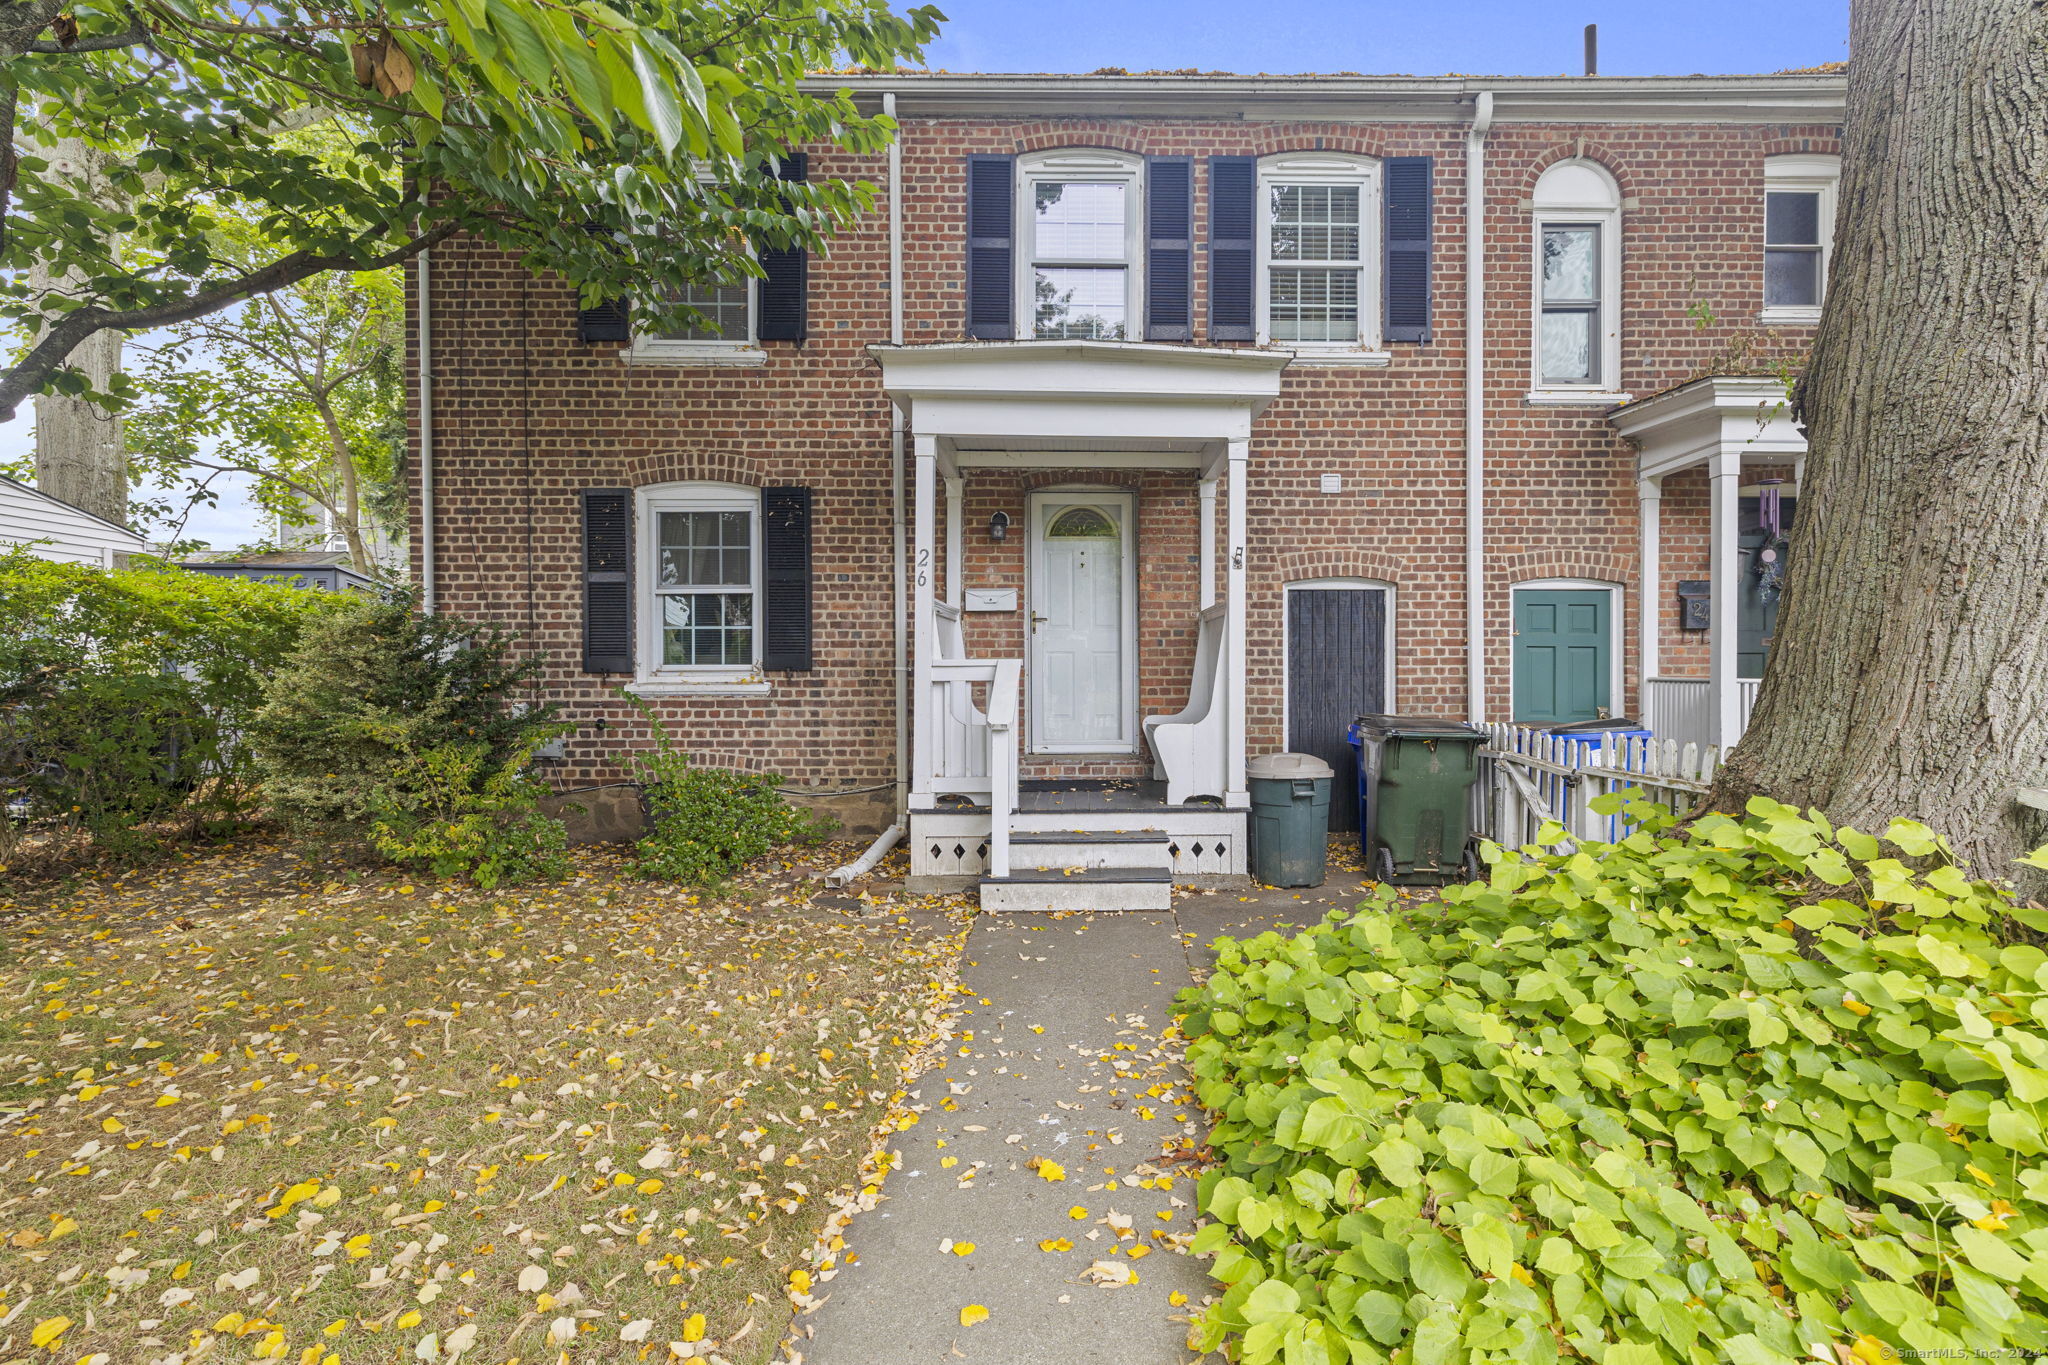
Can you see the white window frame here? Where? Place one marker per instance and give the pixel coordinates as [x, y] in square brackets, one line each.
[1086, 165]
[652, 677]
[1803, 175]
[1617, 630]
[1390, 602]
[1326, 168]
[1566, 208]
[650, 349]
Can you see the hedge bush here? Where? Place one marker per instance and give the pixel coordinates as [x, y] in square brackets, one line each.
[1753, 1090]
[706, 823]
[125, 695]
[415, 733]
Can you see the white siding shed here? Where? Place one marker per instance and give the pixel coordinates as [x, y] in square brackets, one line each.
[53, 529]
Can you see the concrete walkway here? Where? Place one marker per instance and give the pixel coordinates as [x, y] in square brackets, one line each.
[1057, 1058]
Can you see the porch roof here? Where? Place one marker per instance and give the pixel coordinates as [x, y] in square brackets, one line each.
[1746, 417]
[1024, 403]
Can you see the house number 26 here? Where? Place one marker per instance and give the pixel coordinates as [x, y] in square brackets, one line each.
[924, 569]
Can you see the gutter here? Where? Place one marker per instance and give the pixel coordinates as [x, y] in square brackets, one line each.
[426, 386]
[1475, 407]
[888, 838]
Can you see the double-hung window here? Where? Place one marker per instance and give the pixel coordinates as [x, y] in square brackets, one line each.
[1576, 336]
[722, 333]
[701, 562]
[1318, 281]
[1569, 335]
[1799, 228]
[1079, 217]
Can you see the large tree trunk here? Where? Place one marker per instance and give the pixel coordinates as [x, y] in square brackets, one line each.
[81, 452]
[1909, 676]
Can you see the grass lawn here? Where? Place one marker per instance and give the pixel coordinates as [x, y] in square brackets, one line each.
[253, 1114]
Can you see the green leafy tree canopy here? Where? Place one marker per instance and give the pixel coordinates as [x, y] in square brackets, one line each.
[626, 145]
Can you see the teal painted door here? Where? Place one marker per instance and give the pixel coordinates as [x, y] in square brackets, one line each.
[1563, 654]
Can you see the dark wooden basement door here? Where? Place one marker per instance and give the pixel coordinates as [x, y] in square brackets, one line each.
[1336, 672]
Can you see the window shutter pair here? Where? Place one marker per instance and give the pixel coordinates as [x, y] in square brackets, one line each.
[991, 247]
[608, 579]
[782, 296]
[1233, 248]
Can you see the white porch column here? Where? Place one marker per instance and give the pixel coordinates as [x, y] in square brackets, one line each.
[923, 498]
[1650, 511]
[1205, 492]
[955, 555]
[1724, 481]
[1235, 791]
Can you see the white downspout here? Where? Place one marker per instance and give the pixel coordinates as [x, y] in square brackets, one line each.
[426, 364]
[889, 837]
[1475, 406]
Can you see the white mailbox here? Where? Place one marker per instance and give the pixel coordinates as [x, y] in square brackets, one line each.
[991, 599]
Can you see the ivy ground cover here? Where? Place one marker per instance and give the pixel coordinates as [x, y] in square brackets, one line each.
[1757, 1090]
[253, 1114]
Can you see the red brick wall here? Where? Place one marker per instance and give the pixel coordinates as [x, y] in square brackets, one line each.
[525, 417]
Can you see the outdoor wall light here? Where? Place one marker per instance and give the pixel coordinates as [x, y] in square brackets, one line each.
[999, 526]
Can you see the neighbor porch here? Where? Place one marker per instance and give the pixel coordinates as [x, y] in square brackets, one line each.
[1720, 456]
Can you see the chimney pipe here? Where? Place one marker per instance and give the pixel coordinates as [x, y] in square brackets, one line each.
[1592, 49]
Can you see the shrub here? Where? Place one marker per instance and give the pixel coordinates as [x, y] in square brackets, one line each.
[125, 695]
[450, 811]
[1750, 1091]
[410, 731]
[706, 823]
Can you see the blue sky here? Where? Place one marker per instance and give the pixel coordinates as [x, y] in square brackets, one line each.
[1474, 37]
[1414, 37]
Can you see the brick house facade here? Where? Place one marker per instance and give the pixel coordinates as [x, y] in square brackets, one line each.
[1356, 464]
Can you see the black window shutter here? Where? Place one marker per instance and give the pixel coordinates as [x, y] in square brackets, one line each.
[1233, 218]
[1408, 229]
[990, 190]
[1169, 247]
[786, 579]
[610, 320]
[784, 287]
[606, 322]
[607, 580]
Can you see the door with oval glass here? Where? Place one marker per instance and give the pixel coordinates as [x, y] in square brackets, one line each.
[1083, 620]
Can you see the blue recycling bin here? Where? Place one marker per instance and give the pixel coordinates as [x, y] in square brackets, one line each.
[1593, 735]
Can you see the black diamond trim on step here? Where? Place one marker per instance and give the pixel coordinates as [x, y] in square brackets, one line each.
[1196, 850]
[959, 850]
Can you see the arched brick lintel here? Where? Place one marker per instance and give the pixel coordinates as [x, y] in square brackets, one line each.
[709, 466]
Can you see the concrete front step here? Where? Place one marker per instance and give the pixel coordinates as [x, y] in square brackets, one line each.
[1101, 888]
[1146, 850]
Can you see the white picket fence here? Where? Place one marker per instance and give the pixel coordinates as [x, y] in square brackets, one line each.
[1528, 777]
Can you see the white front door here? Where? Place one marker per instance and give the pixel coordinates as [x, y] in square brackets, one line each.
[1083, 618]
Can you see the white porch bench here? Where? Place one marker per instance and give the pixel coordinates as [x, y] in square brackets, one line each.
[1188, 747]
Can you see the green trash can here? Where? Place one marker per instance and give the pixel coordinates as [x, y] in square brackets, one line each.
[1415, 779]
[1290, 818]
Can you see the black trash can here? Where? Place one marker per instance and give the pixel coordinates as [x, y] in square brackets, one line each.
[1415, 777]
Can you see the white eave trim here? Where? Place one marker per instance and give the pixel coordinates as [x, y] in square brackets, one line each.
[1746, 415]
[1526, 99]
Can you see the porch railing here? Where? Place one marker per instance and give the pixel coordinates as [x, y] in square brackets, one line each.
[1682, 709]
[1529, 777]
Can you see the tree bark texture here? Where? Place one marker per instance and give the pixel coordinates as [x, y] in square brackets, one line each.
[1909, 676]
[81, 451]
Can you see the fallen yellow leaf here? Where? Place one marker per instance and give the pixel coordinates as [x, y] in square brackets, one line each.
[972, 1314]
